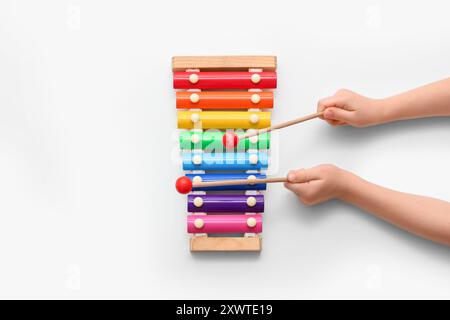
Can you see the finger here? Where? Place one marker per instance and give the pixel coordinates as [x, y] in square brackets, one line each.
[338, 123]
[338, 114]
[306, 192]
[303, 175]
[334, 123]
[290, 186]
[297, 188]
[325, 103]
[297, 176]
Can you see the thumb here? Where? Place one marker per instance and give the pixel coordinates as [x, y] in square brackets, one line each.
[333, 113]
[298, 176]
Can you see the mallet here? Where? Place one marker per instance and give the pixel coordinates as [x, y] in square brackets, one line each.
[231, 139]
[184, 184]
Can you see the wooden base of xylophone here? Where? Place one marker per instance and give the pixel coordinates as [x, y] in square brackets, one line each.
[210, 244]
[214, 63]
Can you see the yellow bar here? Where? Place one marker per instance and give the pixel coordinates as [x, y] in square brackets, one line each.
[223, 120]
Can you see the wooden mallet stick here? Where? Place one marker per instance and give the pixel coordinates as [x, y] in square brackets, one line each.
[237, 182]
[184, 184]
[231, 139]
[282, 125]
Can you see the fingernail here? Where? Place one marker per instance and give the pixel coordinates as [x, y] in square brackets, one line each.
[328, 114]
[291, 177]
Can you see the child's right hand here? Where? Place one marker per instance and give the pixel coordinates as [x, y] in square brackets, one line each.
[349, 108]
[318, 184]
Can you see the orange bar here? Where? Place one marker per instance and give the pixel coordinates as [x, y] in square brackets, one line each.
[224, 100]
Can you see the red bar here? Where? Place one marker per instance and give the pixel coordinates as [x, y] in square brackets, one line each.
[224, 80]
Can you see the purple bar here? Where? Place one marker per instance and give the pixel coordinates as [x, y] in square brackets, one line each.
[225, 203]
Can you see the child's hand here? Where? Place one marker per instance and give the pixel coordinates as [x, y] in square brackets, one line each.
[317, 184]
[349, 108]
[328, 182]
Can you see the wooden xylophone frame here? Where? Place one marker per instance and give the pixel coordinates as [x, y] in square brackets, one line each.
[215, 73]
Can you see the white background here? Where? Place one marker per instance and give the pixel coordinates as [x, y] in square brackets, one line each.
[87, 127]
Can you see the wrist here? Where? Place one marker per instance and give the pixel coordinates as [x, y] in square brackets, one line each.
[348, 186]
[386, 110]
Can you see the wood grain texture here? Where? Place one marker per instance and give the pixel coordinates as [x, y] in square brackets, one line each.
[207, 244]
[215, 63]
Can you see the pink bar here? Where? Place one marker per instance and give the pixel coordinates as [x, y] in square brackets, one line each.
[232, 223]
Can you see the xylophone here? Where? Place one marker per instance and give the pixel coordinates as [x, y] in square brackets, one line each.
[222, 98]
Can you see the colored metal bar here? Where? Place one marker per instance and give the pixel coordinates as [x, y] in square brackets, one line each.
[212, 140]
[223, 120]
[209, 177]
[225, 80]
[225, 203]
[237, 223]
[225, 161]
[224, 100]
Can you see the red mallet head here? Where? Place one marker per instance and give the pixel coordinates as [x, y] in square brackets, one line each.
[230, 140]
[183, 185]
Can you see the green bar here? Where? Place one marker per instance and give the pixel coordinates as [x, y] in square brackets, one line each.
[212, 140]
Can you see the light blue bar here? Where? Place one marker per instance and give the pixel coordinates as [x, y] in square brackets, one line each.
[225, 161]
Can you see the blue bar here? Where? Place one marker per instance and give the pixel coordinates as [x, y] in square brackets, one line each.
[207, 177]
[225, 161]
